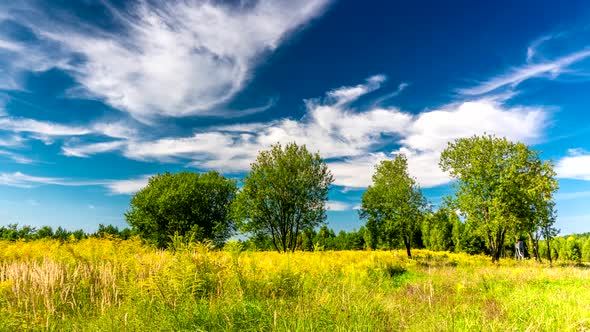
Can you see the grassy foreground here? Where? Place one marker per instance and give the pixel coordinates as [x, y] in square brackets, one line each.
[112, 285]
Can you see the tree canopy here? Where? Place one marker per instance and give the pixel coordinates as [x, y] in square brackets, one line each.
[186, 203]
[394, 203]
[284, 194]
[503, 187]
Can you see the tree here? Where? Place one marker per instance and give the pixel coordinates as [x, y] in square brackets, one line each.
[394, 204]
[502, 187]
[184, 203]
[284, 194]
[437, 231]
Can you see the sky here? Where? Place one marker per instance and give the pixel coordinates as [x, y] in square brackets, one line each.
[97, 96]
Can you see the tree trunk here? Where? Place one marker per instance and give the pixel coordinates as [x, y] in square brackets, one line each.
[532, 242]
[549, 252]
[407, 244]
[496, 244]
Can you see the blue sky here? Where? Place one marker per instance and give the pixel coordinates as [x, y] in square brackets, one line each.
[96, 96]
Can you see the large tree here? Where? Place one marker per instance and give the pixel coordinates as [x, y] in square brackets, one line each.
[184, 203]
[503, 187]
[284, 194]
[394, 203]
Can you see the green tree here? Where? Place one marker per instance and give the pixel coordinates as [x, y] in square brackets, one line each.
[530, 197]
[186, 203]
[437, 231]
[394, 203]
[502, 187]
[284, 194]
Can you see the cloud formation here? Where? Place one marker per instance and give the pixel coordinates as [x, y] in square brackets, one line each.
[574, 166]
[351, 140]
[170, 59]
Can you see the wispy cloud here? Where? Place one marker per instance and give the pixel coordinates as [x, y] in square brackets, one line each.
[18, 158]
[391, 95]
[86, 150]
[22, 180]
[21, 125]
[550, 56]
[515, 76]
[202, 51]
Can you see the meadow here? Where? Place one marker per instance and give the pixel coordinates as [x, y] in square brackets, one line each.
[122, 285]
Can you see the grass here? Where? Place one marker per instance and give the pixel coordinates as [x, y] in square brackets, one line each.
[113, 285]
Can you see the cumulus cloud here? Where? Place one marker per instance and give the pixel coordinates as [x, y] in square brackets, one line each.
[574, 166]
[173, 59]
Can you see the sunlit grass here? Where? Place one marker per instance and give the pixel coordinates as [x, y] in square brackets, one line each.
[112, 285]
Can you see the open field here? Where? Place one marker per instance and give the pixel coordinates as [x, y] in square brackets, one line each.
[113, 285]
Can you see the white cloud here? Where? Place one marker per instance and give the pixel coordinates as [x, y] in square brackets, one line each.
[432, 130]
[47, 131]
[536, 66]
[10, 46]
[21, 180]
[174, 59]
[338, 206]
[21, 125]
[16, 157]
[114, 129]
[356, 172]
[347, 94]
[85, 150]
[130, 186]
[352, 141]
[576, 165]
[11, 141]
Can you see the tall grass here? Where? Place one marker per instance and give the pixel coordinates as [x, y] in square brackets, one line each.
[114, 285]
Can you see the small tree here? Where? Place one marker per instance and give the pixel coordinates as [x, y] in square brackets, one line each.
[184, 203]
[394, 204]
[284, 194]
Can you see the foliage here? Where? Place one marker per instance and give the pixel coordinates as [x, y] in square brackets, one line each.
[283, 195]
[437, 230]
[394, 203]
[183, 203]
[503, 188]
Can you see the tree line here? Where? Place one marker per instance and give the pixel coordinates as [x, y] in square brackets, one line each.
[446, 236]
[503, 192]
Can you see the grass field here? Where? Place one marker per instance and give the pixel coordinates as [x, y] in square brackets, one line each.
[112, 285]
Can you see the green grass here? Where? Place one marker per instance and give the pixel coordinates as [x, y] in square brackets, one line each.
[111, 285]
